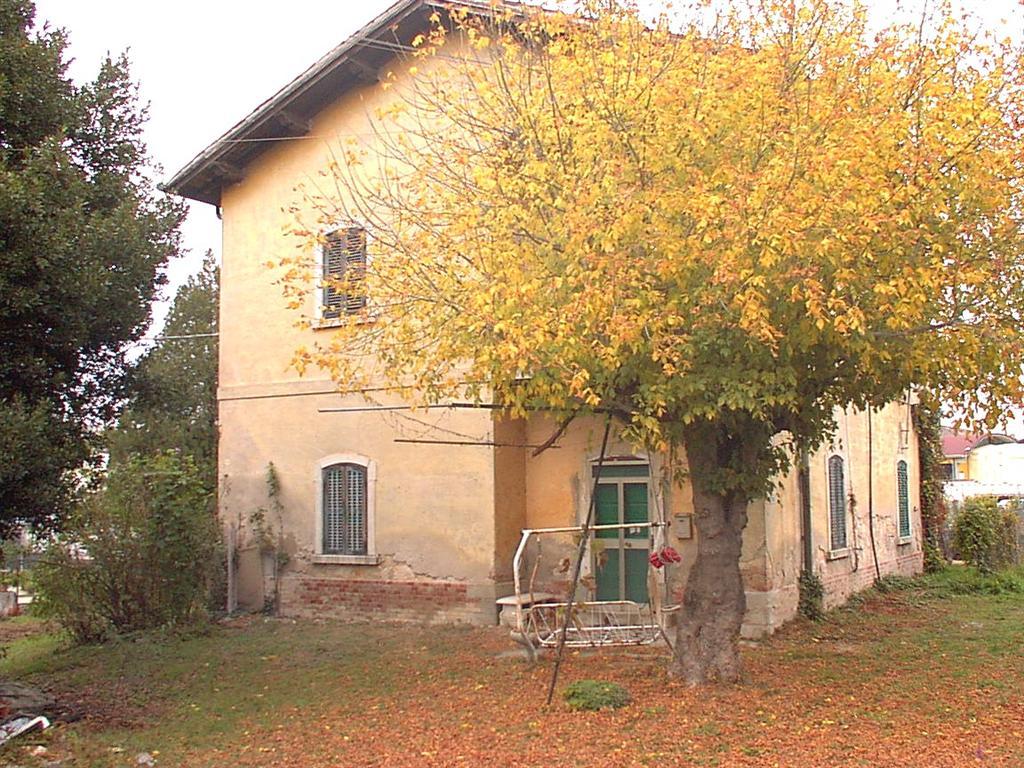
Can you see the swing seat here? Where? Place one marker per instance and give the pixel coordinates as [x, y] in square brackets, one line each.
[593, 624]
[507, 605]
[538, 619]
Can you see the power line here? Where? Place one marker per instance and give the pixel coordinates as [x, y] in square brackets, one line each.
[175, 337]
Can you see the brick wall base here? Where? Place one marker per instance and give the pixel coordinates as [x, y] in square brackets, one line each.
[769, 610]
[433, 601]
[840, 586]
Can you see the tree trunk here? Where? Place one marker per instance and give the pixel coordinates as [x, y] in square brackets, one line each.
[714, 603]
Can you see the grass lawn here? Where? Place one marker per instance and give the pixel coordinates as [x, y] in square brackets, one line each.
[918, 676]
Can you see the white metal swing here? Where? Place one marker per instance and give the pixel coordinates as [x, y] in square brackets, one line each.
[540, 617]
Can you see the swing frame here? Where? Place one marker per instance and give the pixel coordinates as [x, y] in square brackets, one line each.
[541, 623]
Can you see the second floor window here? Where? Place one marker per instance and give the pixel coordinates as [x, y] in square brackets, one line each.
[344, 272]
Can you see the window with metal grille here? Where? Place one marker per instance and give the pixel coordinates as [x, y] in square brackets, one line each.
[836, 503]
[903, 493]
[344, 272]
[344, 509]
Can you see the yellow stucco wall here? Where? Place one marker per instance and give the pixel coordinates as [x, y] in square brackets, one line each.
[434, 505]
[847, 571]
[559, 487]
[453, 513]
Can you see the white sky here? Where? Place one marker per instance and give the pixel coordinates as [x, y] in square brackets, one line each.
[203, 65]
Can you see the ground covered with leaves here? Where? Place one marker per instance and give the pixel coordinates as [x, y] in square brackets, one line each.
[917, 675]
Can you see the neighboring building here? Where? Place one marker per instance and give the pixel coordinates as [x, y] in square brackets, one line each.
[374, 525]
[955, 447]
[981, 465]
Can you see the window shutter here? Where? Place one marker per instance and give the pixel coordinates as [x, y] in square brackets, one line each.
[355, 540]
[837, 503]
[334, 510]
[355, 266]
[344, 509]
[334, 271]
[903, 492]
[344, 272]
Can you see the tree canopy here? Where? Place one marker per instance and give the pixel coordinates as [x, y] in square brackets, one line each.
[83, 236]
[717, 229]
[173, 405]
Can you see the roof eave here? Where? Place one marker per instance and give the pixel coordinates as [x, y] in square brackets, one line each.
[282, 116]
[220, 164]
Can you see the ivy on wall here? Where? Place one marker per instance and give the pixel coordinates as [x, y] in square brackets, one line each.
[933, 508]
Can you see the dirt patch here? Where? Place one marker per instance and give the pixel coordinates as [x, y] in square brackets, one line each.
[11, 630]
[112, 706]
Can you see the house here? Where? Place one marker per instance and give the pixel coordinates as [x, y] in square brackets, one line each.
[981, 465]
[385, 512]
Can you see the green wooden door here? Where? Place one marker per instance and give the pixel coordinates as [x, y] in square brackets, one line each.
[620, 560]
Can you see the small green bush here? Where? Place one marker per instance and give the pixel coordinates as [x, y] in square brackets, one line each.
[934, 561]
[1008, 582]
[985, 534]
[595, 694]
[141, 553]
[812, 597]
[966, 580]
[893, 583]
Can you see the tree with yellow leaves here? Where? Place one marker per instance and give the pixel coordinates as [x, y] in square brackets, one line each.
[719, 229]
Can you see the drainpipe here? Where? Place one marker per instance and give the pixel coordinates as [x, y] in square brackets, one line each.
[804, 484]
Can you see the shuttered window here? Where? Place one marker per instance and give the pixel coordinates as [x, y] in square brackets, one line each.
[903, 494]
[344, 509]
[837, 503]
[344, 262]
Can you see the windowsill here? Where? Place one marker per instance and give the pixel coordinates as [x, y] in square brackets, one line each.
[902, 542]
[347, 559]
[838, 554]
[324, 325]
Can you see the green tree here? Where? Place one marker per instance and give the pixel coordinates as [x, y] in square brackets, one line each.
[985, 533]
[141, 552]
[83, 236]
[717, 230]
[174, 401]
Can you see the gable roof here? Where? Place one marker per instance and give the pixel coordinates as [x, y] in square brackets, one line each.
[288, 112]
[959, 444]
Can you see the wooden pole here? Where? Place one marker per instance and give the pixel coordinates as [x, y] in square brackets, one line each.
[584, 536]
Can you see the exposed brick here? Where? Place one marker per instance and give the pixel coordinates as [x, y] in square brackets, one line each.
[365, 598]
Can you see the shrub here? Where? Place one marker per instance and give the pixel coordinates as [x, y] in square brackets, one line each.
[959, 580]
[595, 694]
[934, 561]
[985, 534]
[893, 583]
[140, 553]
[812, 596]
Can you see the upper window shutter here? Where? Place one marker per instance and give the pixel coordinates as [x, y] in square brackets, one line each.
[355, 266]
[334, 271]
[344, 263]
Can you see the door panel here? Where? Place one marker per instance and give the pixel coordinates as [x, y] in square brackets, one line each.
[621, 558]
[608, 574]
[635, 502]
[636, 574]
[607, 509]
